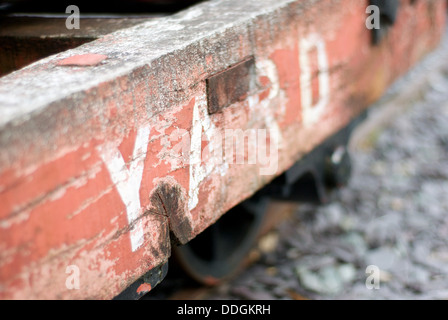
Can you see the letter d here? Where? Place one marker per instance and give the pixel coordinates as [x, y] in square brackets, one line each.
[226, 308]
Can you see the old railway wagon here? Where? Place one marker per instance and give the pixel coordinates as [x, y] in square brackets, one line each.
[127, 140]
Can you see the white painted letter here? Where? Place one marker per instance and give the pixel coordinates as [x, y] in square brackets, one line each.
[312, 113]
[128, 181]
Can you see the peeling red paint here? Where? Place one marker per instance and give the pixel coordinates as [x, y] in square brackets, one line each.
[83, 60]
[144, 288]
[211, 281]
[287, 60]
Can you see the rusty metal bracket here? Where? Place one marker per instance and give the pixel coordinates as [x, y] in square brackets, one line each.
[144, 284]
[231, 85]
[326, 168]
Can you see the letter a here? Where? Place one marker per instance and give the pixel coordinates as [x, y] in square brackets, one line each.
[373, 280]
[72, 281]
[72, 22]
[373, 21]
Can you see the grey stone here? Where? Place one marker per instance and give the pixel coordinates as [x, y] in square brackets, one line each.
[356, 242]
[248, 294]
[328, 280]
[384, 229]
[385, 258]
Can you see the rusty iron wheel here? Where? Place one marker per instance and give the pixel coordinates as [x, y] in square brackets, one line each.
[222, 249]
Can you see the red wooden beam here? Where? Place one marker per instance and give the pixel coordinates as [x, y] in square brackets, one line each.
[104, 166]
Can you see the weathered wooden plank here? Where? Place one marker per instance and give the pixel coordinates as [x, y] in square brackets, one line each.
[100, 163]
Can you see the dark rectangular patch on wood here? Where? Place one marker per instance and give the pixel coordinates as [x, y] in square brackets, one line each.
[230, 86]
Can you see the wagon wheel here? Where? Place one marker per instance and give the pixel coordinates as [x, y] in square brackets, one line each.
[220, 250]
